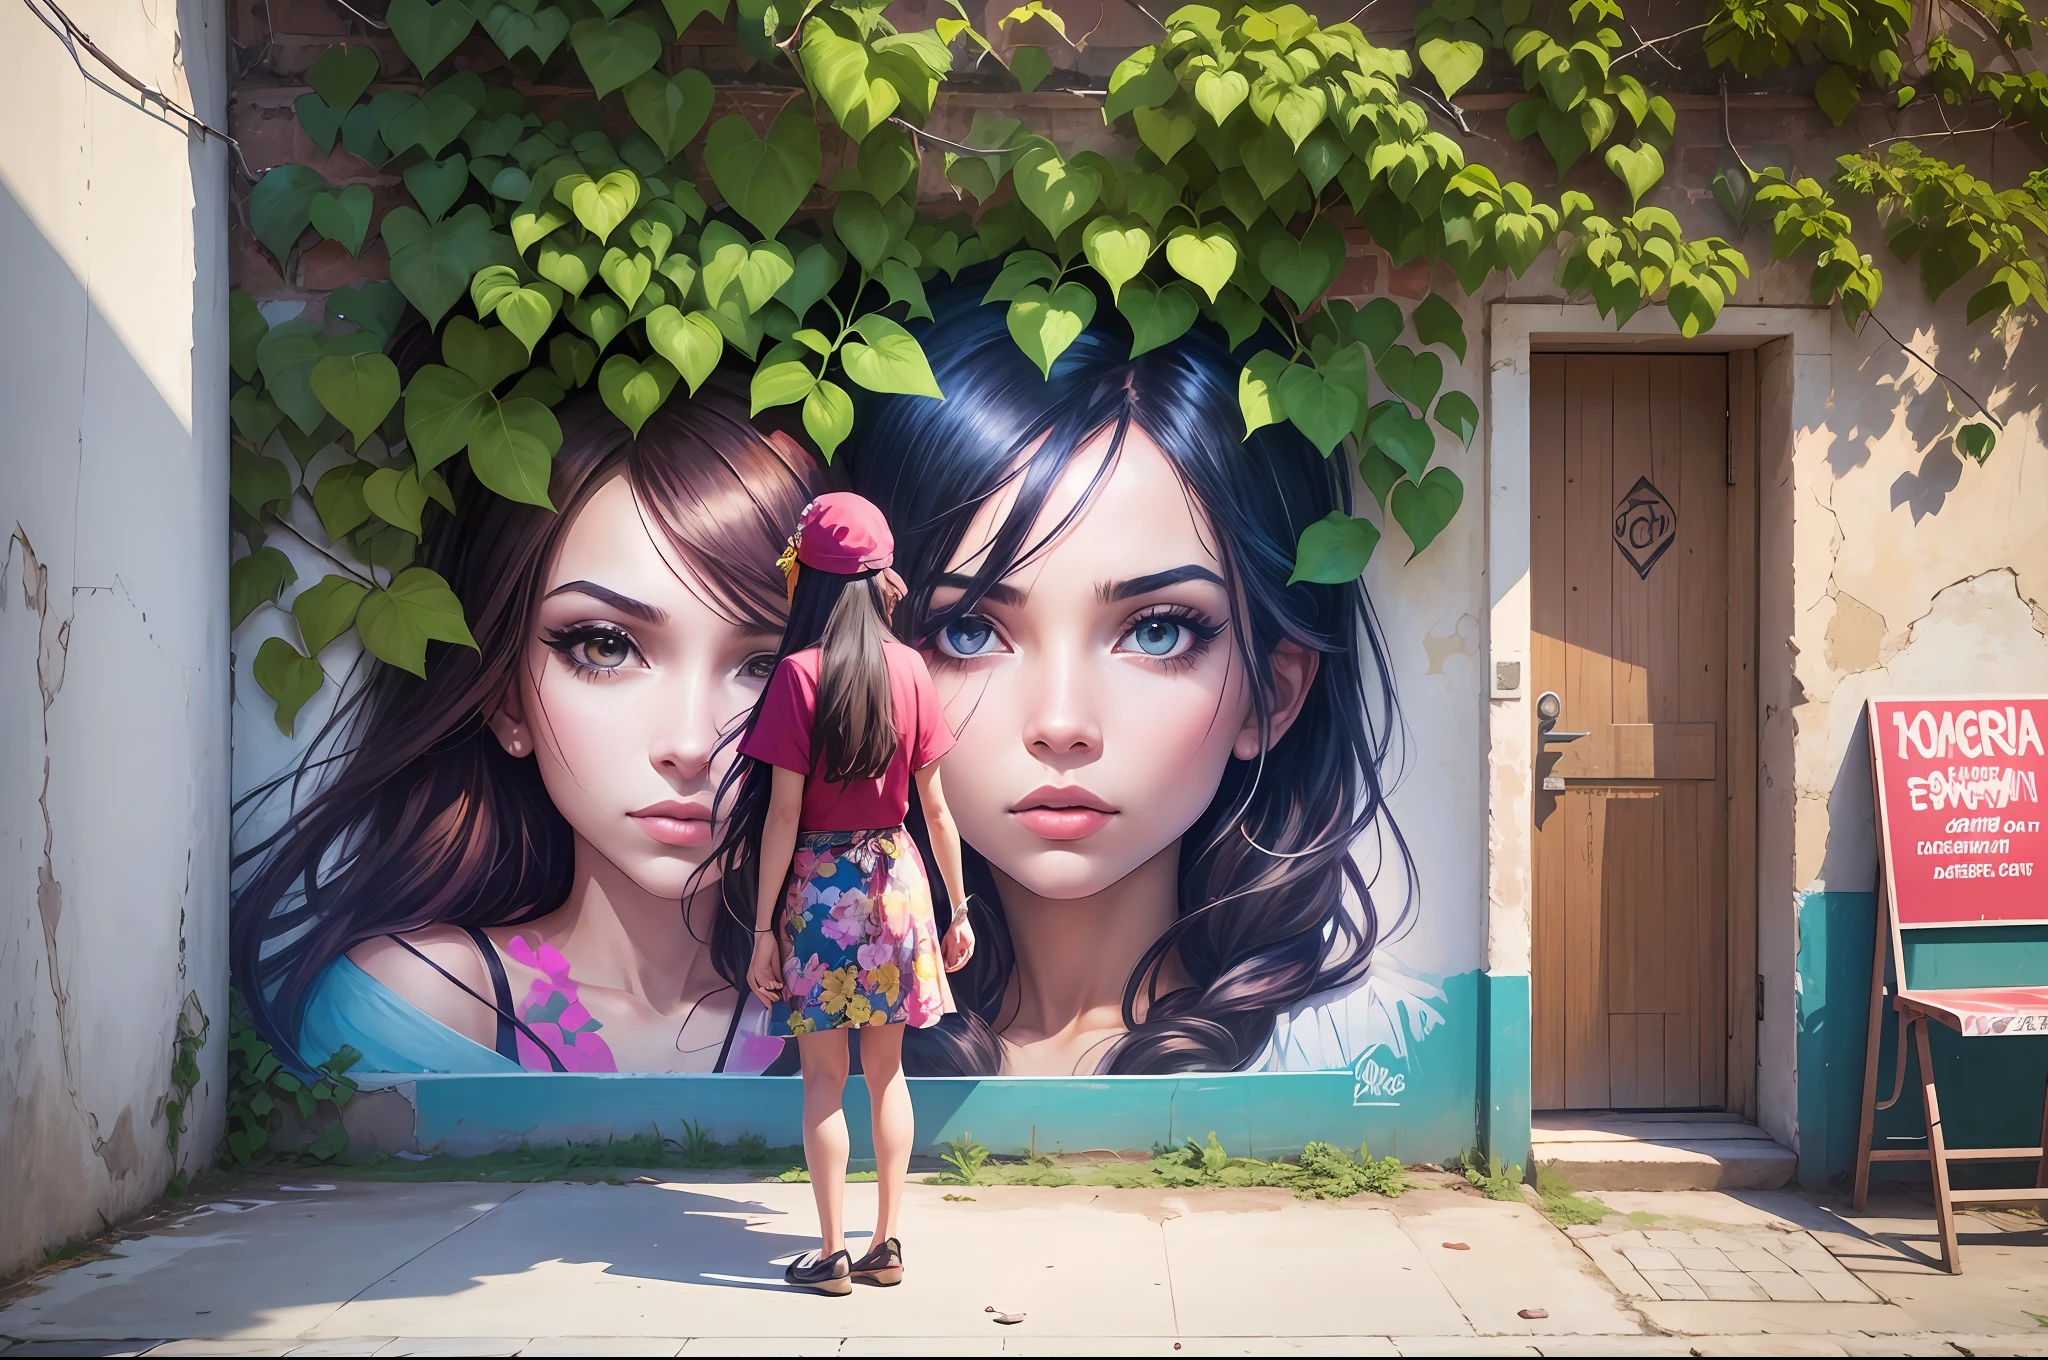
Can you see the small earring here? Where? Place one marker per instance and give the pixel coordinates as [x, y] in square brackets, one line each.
[517, 744]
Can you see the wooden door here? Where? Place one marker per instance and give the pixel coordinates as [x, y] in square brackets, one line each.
[1630, 611]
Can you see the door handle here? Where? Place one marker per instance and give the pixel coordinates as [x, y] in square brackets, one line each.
[1548, 707]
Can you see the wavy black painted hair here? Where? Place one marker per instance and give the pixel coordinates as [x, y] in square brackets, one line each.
[1274, 906]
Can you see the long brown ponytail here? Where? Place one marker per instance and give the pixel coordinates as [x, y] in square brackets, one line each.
[855, 729]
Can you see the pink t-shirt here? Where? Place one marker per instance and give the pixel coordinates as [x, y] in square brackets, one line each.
[782, 736]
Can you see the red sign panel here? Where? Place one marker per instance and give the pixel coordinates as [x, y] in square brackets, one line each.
[1959, 810]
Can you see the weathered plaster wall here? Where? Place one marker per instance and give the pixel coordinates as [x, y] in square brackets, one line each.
[113, 638]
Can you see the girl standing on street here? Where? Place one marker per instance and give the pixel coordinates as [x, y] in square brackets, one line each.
[844, 933]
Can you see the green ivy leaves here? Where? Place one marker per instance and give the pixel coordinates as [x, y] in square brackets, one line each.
[765, 179]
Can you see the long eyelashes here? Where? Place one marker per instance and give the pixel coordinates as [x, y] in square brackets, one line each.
[589, 649]
[1201, 630]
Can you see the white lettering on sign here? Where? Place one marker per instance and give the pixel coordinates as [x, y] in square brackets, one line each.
[1971, 786]
[1374, 1084]
[2001, 846]
[2009, 869]
[1972, 733]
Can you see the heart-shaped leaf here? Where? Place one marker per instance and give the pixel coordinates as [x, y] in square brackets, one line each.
[816, 270]
[1639, 168]
[286, 676]
[395, 496]
[601, 317]
[1118, 250]
[436, 185]
[1204, 256]
[627, 273]
[442, 408]
[1976, 440]
[765, 181]
[1377, 324]
[281, 204]
[375, 306]
[855, 85]
[1164, 131]
[512, 449]
[246, 329]
[1423, 510]
[758, 268]
[360, 135]
[1437, 323]
[600, 205]
[828, 416]
[652, 234]
[670, 110]
[338, 499]
[1304, 269]
[572, 359]
[255, 481]
[1379, 472]
[691, 343]
[256, 417]
[321, 123]
[1322, 410]
[633, 390]
[287, 354]
[343, 217]
[1057, 193]
[1258, 391]
[571, 270]
[341, 74]
[1220, 92]
[1158, 316]
[396, 623]
[615, 51]
[858, 222]
[255, 580]
[1413, 376]
[1457, 413]
[1402, 435]
[432, 264]
[527, 311]
[787, 374]
[1334, 550]
[358, 389]
[429, 32]
[486, 355]
[1452, 61]
[1030, 65]
[890, 360]
[1043, 324]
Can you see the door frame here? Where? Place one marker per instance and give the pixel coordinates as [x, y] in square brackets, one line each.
[1780, 356]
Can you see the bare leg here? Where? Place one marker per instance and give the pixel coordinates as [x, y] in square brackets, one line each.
[824, 1062]
[881, 1060]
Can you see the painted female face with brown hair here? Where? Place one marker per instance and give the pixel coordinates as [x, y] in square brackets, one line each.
[529, 818]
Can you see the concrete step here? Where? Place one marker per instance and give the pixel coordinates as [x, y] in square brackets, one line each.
[1598, 1150]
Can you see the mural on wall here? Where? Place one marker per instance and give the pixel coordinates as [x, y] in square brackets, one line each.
[1170, 773]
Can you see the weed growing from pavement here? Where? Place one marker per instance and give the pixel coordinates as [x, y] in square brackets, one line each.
[1492, 1179]
[1564, 1207]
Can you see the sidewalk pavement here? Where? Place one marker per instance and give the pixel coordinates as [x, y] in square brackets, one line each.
[311, 1268]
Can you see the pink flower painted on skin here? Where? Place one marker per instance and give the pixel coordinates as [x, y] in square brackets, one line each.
[555, 1015]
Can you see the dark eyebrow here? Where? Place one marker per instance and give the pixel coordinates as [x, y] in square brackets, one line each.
[625, 604]
[1006, 595]
[1158, 580]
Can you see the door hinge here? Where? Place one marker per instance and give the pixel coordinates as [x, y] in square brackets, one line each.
[1759, 998]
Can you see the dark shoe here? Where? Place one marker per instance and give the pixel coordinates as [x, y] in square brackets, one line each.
[882, 1265]
[825, 1274]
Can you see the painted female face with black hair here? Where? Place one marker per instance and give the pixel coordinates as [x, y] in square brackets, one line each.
[1097, 690]
[1166, 751]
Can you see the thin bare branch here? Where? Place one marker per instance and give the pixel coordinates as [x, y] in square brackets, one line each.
[1937, 372]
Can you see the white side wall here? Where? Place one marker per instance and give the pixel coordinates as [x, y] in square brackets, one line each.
[113, 612]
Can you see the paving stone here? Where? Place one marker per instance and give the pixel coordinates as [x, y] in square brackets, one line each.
[1730, 1286]
[1896, 1345]
[2000, 1345]
[69, 1348]
[251, 1347]
[642, 1345]
[1651, 1258]
[1839, 1288]
[1785, 1287]
[1674, 1284]
[1757, 1260]
[1462, 1345]
[340, 1346]
[1778, 1344]
[1703, 1258]
[455, 1345]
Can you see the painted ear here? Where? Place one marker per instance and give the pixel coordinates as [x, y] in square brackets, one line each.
[1294, 671]
[508, 724]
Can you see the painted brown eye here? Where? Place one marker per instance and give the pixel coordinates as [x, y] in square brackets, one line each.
[606, 651]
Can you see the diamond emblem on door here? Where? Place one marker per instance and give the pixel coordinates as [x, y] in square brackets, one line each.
[1644, 526]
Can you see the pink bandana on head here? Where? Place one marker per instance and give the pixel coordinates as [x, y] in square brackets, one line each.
[840, 533]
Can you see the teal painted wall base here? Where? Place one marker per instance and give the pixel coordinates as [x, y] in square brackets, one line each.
[1504, 1119]
[1991, 1089]
[1419, 1107]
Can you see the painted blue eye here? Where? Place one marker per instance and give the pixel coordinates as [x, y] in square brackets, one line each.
[971, 636]
[1157, 637]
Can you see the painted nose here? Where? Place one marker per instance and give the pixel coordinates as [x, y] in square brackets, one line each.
[687, 734]
[1062, 726]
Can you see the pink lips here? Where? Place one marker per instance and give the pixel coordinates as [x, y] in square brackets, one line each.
[1062, 814]
[686, 826]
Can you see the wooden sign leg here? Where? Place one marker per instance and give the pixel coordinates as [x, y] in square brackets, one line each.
[1937, 1153]
[1866, 1123]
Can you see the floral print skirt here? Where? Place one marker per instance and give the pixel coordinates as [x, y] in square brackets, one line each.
[863, 948]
